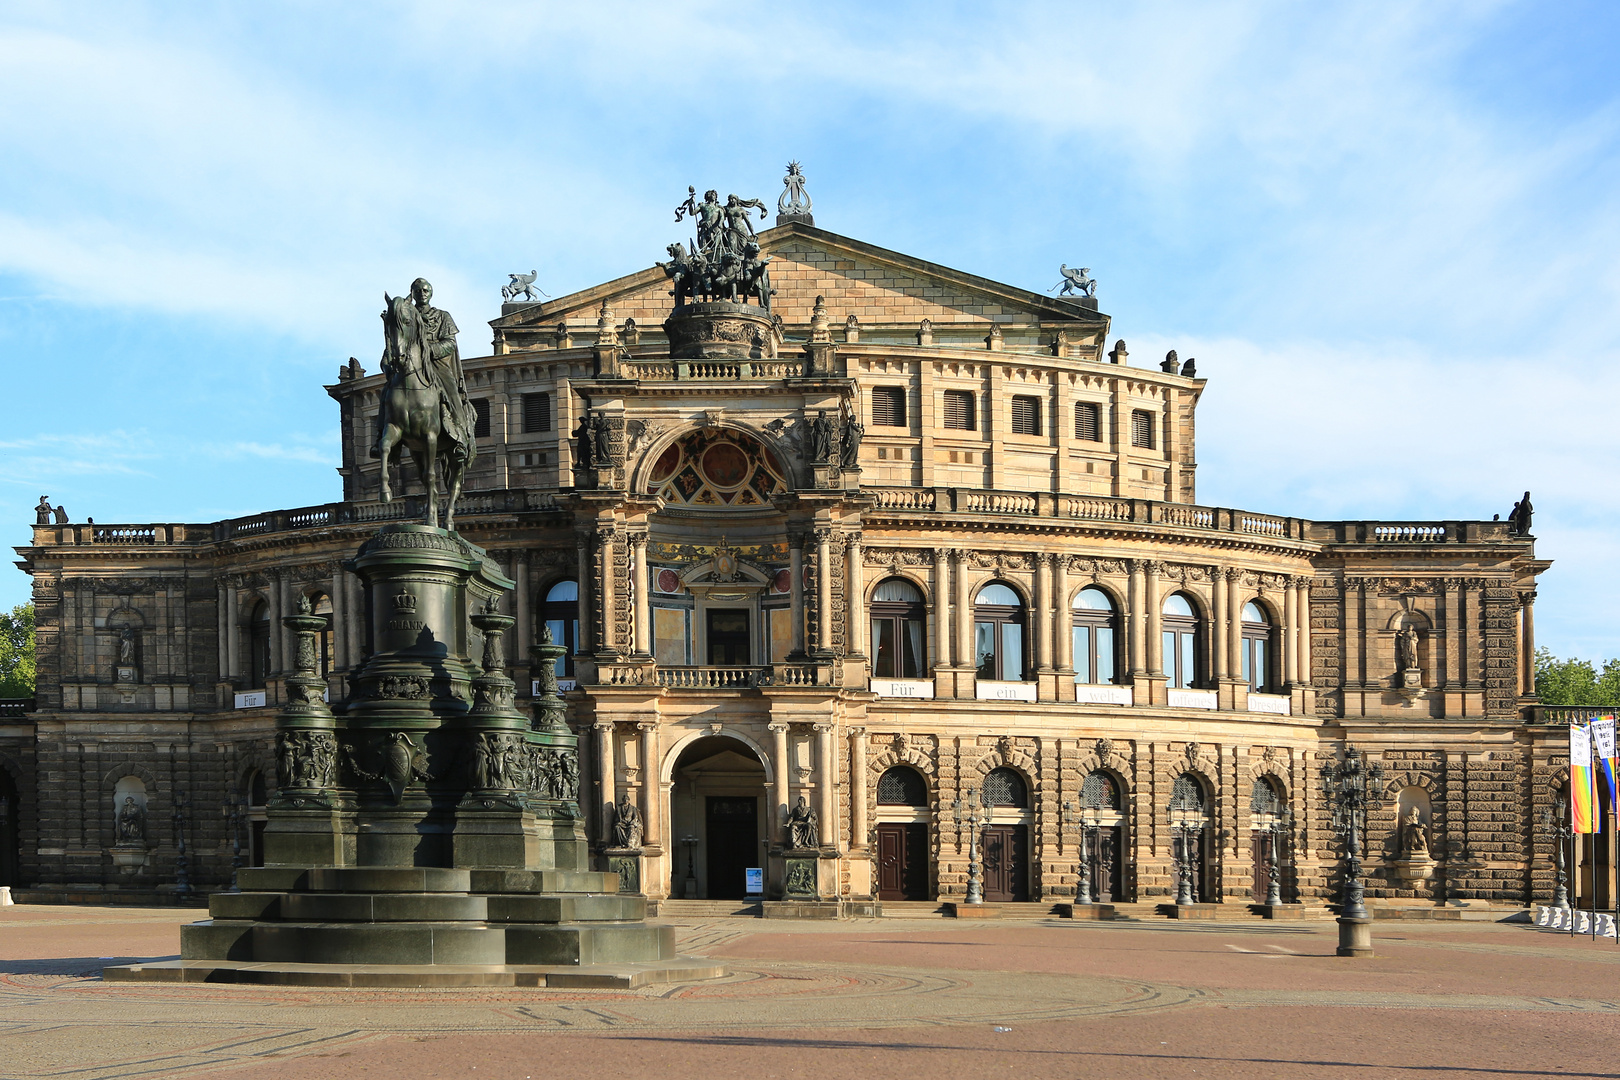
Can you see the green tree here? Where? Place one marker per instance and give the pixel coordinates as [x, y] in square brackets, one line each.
[1579, 683]
[17, 652]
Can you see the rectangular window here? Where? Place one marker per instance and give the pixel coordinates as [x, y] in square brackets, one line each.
[1012, 651]
[536, 412]
[1087, 422]
[481, 424]
[1026, 415]
[888, 406]
[959, 410]
[1142, 429]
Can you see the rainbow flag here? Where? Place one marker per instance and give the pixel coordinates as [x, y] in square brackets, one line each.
[1603, 750]
[1582, 793]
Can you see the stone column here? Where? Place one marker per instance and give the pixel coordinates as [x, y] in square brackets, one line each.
[341, 658]
[1452, 607]
[607, 558]
[857, 789]
[827, 785]
[855, 597]
[1217, 624]
[582, 576]
[1290, 639]
[1234, 622]
[606, 796]
[1527, 642]
[796, 592]
[652, 786]
[227, 632]
[278, 608]
[520, 608]
[824, 590]
[1154, 604]
[1136, 623]
[1062, 616]
[640, 587]
[964, 614]
[942, 607]
[783, 781]
[1043, 611]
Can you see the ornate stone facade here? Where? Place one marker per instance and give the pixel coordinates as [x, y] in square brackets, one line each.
[995, 574]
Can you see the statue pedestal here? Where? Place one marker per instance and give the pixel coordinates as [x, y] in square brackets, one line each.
[718, 330]
[1412, 869]
[627, 863]
[129, 858]
[802, 874]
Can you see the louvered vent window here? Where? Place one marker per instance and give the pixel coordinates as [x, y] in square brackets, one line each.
[1142, 428]
[536, 412]
[1087, 422]
[1026, 415]
[481, 424]
[959, 410]
[888, 406]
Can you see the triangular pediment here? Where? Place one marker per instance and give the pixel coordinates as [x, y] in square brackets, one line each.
[884, 290]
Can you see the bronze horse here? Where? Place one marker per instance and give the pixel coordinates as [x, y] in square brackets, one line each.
[413, 412]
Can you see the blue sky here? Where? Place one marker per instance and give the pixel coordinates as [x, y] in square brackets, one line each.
[1386, 231]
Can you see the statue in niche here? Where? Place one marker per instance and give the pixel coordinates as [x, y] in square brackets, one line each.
[821, 439]
[627, 825]
[854, 431]
[583, 442]
[1406, 649]
[601, 440]
[131, 822]
[803, 826]
[126, 646]
[1414, 839]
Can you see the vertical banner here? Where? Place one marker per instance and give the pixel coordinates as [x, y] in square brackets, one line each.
[1603, 750]
[1581, 816]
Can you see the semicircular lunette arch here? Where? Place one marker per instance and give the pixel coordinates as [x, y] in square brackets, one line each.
[715, 467]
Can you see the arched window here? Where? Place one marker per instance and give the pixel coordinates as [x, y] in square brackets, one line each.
[560, 614]
[325, 640]
[1187, 795]
[1095, 626]
[899, 650]
[1265, 797]
[998, 633]
[1181, 640]
[1256, 647]
[902, 786]
[1099, 792]
[258, 635]
[1004, 787]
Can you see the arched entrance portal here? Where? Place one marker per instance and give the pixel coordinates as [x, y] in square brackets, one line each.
[718, 813]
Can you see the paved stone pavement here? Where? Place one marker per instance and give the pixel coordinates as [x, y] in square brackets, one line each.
[884, 998]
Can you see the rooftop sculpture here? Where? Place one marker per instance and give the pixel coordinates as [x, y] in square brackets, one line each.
[1076, 281]
[724, 262]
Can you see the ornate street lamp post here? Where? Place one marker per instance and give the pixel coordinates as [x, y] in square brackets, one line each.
[1085, 890]
[975, 815]
[691, 888]
[232, 810]
[1350, 786]
[1279, 831]
[1555, 818]
[1182, 828]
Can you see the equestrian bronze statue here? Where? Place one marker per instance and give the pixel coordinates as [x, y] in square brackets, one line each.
[425, 405]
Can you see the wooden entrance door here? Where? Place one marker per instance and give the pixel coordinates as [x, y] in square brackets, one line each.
[902, 851]
[1106, 872]
[1005, 857]
[1262, 844]
[733, 844]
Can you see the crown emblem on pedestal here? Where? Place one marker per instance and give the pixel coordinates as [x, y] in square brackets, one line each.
[405, 601]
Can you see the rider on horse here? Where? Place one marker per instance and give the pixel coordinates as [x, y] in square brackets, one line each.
[444, 367]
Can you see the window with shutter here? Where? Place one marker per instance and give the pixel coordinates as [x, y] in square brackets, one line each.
[1087, 422]
[481, 424]
[536, 412]
[1026, 415]
[888, 406]
[1142, 428]
[959, 410]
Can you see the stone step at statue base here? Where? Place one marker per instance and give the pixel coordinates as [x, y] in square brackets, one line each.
[322, 925]
[408, 976]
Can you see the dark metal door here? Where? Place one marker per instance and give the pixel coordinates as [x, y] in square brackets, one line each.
[902, 861]
[733, 844]
[1261, 845]
[1006, 864]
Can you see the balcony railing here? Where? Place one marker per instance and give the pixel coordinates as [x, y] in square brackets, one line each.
[1567, 714]
[16, 708]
